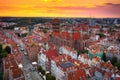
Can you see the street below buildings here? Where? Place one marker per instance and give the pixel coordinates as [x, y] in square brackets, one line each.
[29, 71]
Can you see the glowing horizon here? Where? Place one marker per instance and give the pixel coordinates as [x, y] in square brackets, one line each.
[60, 8]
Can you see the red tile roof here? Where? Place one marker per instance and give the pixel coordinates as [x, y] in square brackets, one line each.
[76, 75]
[56, 33]
[117, 78]
[77, 28]
[10, 62]
[83, 27]
[16, 73]
[76, 36]
[65, 34]
[108, 74]
[51, 53]
[96, 27]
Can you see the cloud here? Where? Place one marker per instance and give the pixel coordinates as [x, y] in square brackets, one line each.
[69, 8]
[111, 4]
[50, 0]
[104, 10]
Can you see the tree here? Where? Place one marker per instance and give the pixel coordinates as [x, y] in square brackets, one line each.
[48, 76]
[39, 68]
[7, 49]
[114, 60]
[3, 54]
[53, 78]
[1, 76]
[0, 60]
[118, 65]
[81, 52]
[24, 34]
[1, 48]
[18, 34]
[43, 72]
[101, 35]
[104, 57]
[44, 30]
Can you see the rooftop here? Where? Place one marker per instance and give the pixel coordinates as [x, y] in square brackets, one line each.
[51, 53]
[66, 64]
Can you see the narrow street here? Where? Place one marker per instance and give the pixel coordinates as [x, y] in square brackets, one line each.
[27, 68]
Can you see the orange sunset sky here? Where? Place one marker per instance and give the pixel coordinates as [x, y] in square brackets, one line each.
[60, 8]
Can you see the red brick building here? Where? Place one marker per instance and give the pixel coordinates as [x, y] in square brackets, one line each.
[76, 39]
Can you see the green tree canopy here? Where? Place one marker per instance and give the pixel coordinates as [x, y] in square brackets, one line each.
[53, 78]
[24, 34]
[101, 35]
[104, 57]
[3, 54]
[118, 65]
[1, 48]
[48, 76]
[1, 76]
[43, 72]
[114, 60]
[18, 34]
[44, 30]
[81, 52]
[39, 68]
[7, 49]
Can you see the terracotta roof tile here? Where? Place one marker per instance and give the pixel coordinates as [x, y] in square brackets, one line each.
[76, 36]
[117, 78]
[56, 33]
[17, 73]
[50, 54]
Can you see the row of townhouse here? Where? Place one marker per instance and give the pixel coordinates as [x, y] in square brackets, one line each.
[12, 69]
[64, 66]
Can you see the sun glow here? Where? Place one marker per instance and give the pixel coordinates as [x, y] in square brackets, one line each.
[60, 8]
[51, 0]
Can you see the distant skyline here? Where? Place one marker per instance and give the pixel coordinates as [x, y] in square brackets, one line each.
[60, 8]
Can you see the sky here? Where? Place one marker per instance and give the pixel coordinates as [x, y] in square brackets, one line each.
[60, 8]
